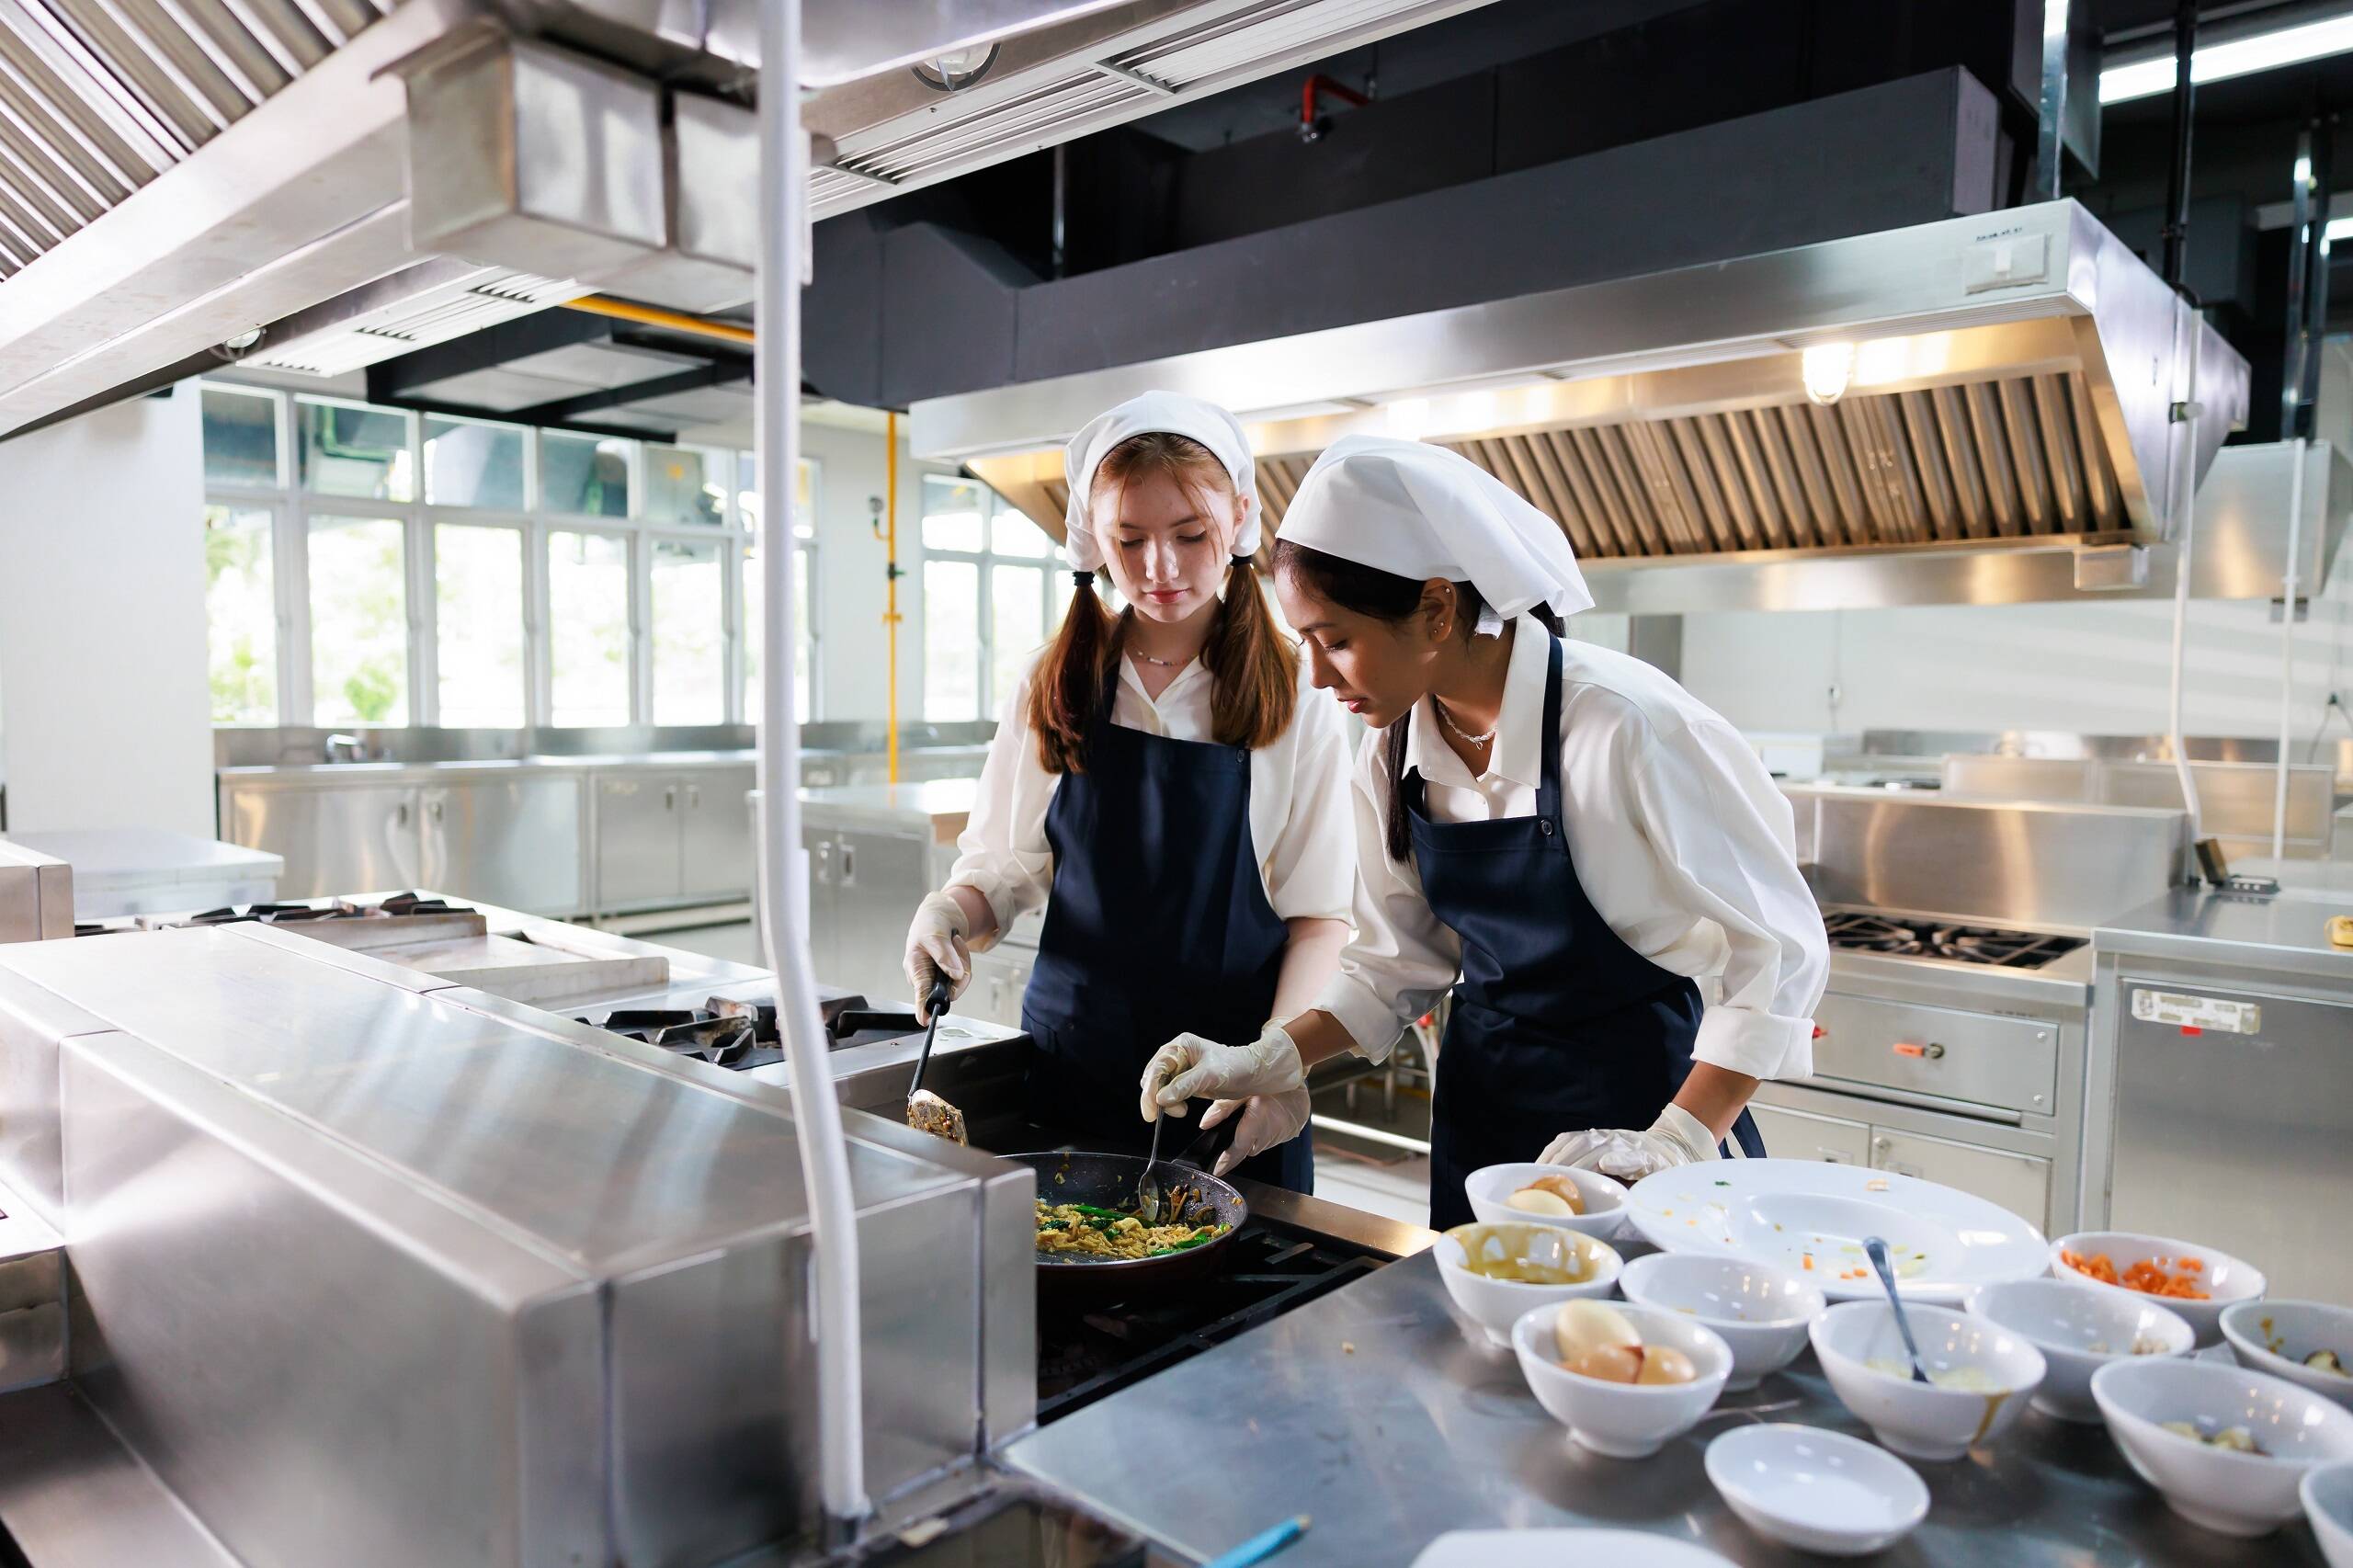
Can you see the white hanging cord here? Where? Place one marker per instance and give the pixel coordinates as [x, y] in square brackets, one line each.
[2184, 491]
[783, 864]
[2288, 652]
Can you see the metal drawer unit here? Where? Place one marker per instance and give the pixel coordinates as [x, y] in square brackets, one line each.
[2005, 1063]
[1805, 1135]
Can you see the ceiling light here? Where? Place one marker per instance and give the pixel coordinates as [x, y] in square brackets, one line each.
[957, 69]
[1828, 367]
[2239, 57]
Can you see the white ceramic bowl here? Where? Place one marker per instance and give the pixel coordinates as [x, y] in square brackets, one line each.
[2245, 1495]
[1490, 1186]
[2326, 1492]
[2297, 1328]
[1925, 1421]
[1759, 1311]
[1626, 1421]
[1817, 1491]
[2226, 1278]
[2079, 1330]
[1495, 1304]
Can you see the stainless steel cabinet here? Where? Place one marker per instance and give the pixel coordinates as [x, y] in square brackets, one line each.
[336, 839]
[637, 840]
[2019, 1183]
[510, 842]
[999, 978]
[824, 932]
[715, 828]
[1801, 1135]
[863, 886]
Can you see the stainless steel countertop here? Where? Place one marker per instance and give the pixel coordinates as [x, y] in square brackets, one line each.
[1369, 1411]
[402, 772]
[2286, 932]
[930, 806]
[2065, 982]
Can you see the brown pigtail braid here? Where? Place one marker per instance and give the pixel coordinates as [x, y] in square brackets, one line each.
[1253, 667]
[1068, 683]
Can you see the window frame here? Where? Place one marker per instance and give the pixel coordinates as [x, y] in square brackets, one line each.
[989, 560]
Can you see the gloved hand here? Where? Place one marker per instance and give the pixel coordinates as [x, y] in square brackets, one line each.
[1190, 1067]
[1266, 1121]
[1677, 1138]
[937, 947]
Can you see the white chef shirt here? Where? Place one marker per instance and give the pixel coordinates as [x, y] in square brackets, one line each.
[1300, 825]
[1679, 836]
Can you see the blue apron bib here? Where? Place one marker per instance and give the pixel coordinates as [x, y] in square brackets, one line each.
[1157, 925]
[1557, 1024]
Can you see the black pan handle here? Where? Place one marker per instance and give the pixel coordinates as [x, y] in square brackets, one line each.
[937, 1005]
[1203, 1151]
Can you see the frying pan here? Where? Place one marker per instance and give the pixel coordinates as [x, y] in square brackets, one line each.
[1109, 1181]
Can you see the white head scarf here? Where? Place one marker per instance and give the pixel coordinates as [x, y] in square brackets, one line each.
[1415, 510]
[1177, 414]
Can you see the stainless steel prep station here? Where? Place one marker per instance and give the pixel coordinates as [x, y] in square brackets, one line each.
[1371, 1411]
[2222, 1059]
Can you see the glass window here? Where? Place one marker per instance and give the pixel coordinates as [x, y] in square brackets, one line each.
[678, 489]
[1012, 533]
[358, 622]
[689, 661]
[241, 615]
[1017, 626]
[954, 513]
[951, 639]
[359, 452]
[470, 464]
[747, 496]
[804, 633]
[589, 622]
[240, 439]
[587, 475]
[478, 601]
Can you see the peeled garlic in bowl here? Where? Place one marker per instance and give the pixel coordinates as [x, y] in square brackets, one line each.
[1597, 1341]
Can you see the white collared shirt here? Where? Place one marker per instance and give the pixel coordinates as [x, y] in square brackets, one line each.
[1682, 842]
[1300, 823]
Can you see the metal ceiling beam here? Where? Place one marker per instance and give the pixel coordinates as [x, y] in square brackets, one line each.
[718, 372]
[393, 380]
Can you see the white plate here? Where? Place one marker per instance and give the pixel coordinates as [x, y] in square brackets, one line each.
[1550, 1549]
[1810, 1217]
[1817, 1491]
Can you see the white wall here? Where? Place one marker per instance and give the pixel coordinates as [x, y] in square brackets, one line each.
[105, 706]
[2091, 669]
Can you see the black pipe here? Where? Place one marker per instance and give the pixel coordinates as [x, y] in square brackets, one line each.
[2176, 227]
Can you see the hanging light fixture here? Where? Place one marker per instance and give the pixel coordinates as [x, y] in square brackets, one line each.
[1828, 368]
[957, 69]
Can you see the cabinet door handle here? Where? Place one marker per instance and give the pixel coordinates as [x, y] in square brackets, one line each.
[670, 798]
[400, 815]
[434, 811]
[849, 864]
[694, 795]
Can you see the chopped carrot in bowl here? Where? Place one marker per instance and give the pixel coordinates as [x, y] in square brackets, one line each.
[2150, 1276]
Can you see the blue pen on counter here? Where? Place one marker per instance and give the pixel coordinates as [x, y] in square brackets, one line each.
[1260, 1546]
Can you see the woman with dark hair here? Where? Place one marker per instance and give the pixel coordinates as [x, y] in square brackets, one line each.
[1561, 834]
[1164, 777]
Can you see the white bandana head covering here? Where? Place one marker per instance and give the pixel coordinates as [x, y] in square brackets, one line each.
[1420, 511]
[1178, 415]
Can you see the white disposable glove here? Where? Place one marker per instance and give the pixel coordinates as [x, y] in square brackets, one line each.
[1190, 1067]
[1266, 1121]
[937, 946]
[1677, 1138]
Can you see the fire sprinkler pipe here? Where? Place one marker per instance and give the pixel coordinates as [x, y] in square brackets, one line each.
[1310, 128]
[782, 863]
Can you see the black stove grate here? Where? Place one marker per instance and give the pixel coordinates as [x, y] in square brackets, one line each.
[1086, 1355]
[1860, 931]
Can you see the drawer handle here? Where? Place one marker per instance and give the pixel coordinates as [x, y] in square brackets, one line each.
[1932, 1050]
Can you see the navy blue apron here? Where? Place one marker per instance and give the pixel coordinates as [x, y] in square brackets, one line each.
[1158, 926]
[1557, 1024]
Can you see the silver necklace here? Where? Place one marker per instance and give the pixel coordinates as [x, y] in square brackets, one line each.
[1448, 720]
[1147, 658]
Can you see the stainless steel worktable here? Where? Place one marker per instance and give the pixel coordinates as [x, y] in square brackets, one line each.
[1415, 1432]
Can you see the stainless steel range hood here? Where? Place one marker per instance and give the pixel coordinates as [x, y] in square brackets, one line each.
[2006, 427]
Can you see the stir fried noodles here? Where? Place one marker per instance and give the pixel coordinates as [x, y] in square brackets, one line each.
[1081, 1230]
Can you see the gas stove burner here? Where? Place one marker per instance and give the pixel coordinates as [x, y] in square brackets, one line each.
[1861, 931]
[707, 1037]
[411, 903]
[296, 914]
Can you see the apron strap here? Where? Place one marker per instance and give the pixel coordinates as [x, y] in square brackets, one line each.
[1548, 788]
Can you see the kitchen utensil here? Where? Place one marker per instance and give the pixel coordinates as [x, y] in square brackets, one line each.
[2297, 1329]
[2234, 1493]
[1263, 1545]
[1490, 1187]
[1761, 1311]
[1109, 1181]
[1493, 1305]
[2225, 1279]
[1550, 1548]
[1149, 1197]
[1856, 1340]
[2079, 1330]
[1810, 1217]
[927, 1112]
[2328, 1495]
[1876, 1250]
[1817, 1491]
[1623, 1421]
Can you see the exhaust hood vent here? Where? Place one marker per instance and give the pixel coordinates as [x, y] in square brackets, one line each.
[893, 133]
[430, 303]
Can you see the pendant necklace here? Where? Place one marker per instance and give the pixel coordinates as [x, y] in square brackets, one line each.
[1147, 658]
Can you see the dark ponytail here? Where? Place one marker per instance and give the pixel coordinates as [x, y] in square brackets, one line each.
[1386, 596]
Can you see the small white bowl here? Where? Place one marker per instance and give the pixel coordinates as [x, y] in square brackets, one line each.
[1925, 1421]
[2079, 1330]
[1761, 1311]
[2226, 1279]
[2242, 1495]
[2298, 1328]
[1625, 1421]
[1495, 1304]
[2327, 1492]
[1490, 1186]
[1817, 1491]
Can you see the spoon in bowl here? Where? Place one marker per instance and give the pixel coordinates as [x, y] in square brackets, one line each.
[1876, 1250]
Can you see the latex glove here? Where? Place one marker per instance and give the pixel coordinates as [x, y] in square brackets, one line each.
[938, 945]
[1266, 1121]
[1190, 1068]
[1677, 1138]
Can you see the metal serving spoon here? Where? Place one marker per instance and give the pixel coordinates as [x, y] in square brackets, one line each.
[927, 1112]
[1876, 1250]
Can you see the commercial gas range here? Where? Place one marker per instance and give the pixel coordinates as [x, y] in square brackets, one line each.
[1951, 1043]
